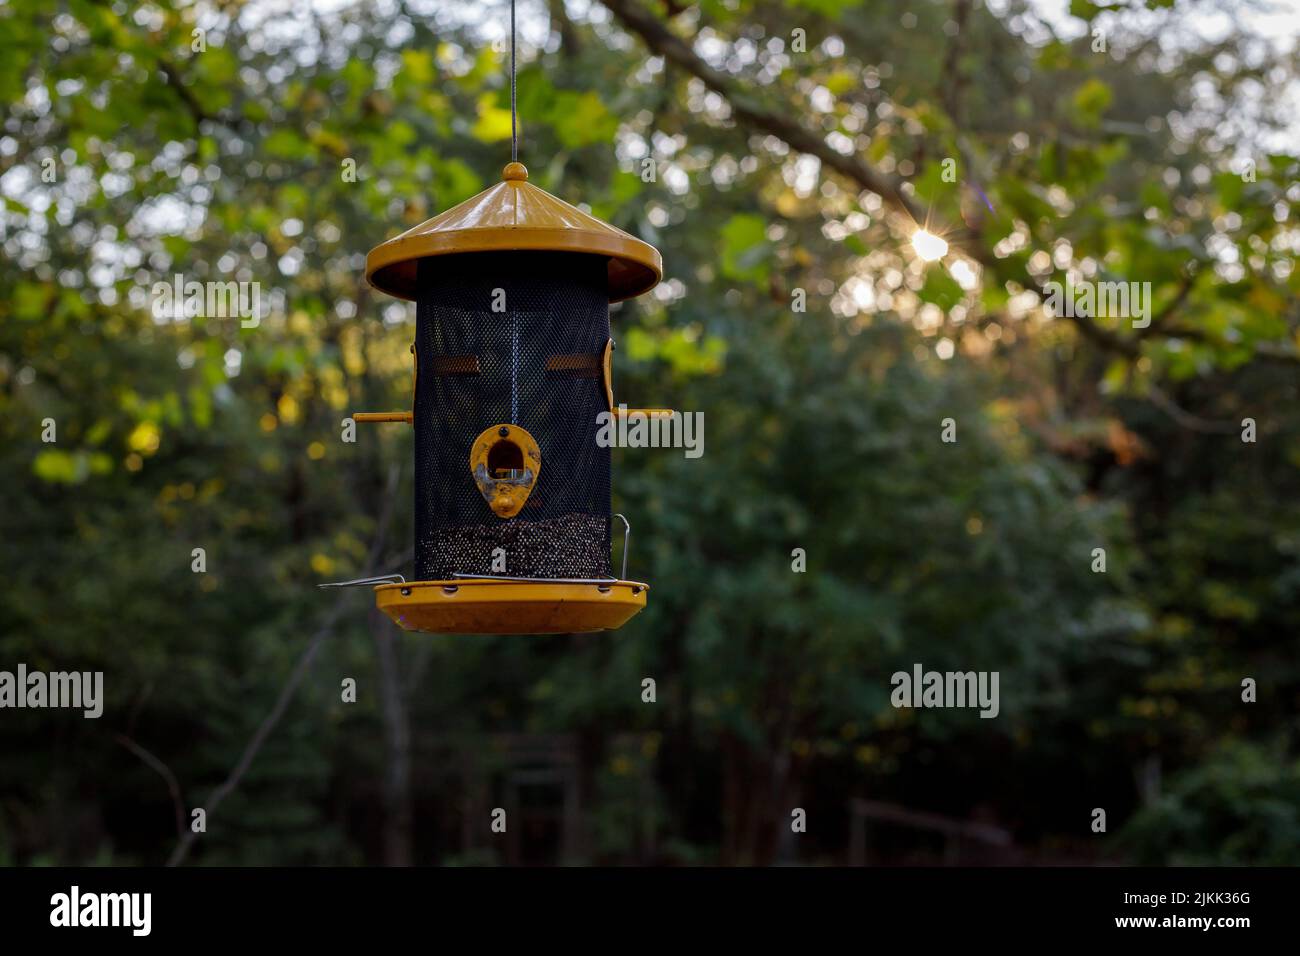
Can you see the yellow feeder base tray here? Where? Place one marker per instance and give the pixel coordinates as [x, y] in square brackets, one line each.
[500, 606]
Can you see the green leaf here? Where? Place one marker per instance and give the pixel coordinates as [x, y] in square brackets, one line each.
[1091, 100]
[941, 288]
[61, 467]
[582, 118]
[30, 300]
[744, 246]
[493, 123]
[286, 143]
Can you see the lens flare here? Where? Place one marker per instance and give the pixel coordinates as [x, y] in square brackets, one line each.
[928, 246]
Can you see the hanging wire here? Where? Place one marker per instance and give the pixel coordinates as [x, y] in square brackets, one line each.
[514, 126]
[514, 368]
[514, 158]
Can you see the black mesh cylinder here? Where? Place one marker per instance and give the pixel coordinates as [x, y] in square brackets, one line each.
[535, 364]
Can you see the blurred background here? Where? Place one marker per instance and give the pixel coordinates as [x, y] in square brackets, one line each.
[797, 147]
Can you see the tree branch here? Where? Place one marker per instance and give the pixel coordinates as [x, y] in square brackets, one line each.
[570, 44]
[268, 724]
[671, 47]
[659, 39]
[227, 786]
[1185, 419]
[173, 78]
[173, 786]
[952, 80]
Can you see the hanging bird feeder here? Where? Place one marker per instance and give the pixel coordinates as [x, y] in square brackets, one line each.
[512, 355]
[512, 370]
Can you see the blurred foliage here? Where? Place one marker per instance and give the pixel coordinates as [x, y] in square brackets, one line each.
[1119, 690]
[1241, 806]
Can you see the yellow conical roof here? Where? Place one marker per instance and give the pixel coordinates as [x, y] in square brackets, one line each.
[514, 214]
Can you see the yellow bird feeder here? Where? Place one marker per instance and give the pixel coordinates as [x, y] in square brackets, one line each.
[512, 359]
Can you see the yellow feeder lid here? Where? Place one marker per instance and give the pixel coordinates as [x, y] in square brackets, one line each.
[514, 214]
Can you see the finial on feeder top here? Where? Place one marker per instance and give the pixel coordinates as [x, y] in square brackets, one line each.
[515, 173]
